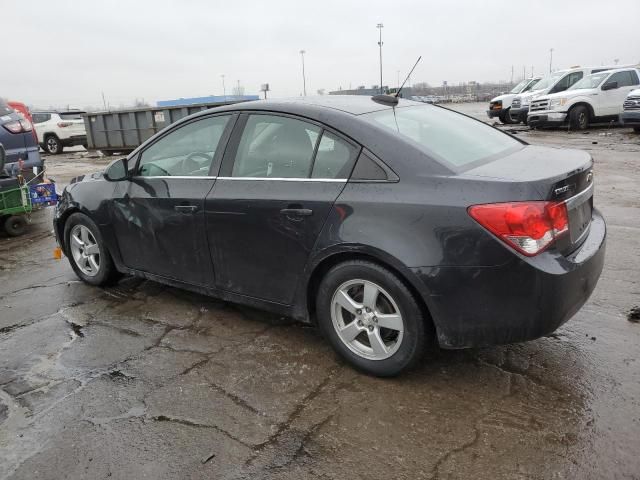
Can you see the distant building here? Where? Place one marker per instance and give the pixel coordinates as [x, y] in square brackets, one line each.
[374, 90]
[210, 99]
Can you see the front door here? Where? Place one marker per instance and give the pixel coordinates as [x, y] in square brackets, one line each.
[279, 180]
[611, 100]
[158, 214]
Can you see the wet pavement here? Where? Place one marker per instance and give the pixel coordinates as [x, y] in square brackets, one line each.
[146, 381]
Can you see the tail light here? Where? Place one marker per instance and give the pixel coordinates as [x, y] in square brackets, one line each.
[64, 124]
[528, 227]
[19, 126]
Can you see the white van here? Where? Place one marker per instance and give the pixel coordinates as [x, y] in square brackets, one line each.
[501, 105]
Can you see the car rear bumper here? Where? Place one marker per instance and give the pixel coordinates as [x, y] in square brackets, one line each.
[546, 118]
[523, 299]
[630, 118]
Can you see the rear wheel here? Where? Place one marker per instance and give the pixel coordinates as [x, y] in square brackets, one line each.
[53, 145]
[88, 255]
[579, 117]
[15, 225]
[371, 318]
[107, 153]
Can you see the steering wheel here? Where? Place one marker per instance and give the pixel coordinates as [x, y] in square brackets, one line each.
[191, 165]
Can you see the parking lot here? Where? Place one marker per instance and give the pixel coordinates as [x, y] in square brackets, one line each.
[146, 381]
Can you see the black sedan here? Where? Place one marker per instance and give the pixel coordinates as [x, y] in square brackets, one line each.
[387, 225]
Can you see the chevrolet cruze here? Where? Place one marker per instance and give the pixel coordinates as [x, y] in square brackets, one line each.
[390, 224]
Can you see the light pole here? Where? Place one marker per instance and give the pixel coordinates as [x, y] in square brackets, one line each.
[380, 27]
[224, 90]
[550, 59]
[304, 78]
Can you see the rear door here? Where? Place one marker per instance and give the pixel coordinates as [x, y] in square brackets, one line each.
[279, 179]
[158, 214]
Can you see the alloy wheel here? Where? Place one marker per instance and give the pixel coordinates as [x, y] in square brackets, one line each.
[52, 145]
[85, 250]
[367, 319]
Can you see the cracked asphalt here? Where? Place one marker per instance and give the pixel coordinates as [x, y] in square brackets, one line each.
[146, 381]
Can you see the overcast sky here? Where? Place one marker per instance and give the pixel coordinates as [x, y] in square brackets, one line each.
[59, 52]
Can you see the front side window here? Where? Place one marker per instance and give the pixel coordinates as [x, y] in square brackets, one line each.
[624, 79]
[446, 136]
[276, 147]
[187, 151]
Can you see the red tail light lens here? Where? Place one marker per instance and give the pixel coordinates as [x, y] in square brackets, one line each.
[64, 124]
[26, 125]
[529, 227]
[13, 127]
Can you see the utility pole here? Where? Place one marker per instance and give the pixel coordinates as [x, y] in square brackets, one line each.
[304, 78]
[398, 84]
[531, 71]
[511, 74]
[104, 102]
[524, 72]
[224, 89]
[380, 27]
[550, 59]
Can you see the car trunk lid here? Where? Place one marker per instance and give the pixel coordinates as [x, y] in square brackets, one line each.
[554, 175]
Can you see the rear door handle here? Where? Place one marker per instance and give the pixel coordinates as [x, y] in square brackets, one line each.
[296, 212]
[186, 208]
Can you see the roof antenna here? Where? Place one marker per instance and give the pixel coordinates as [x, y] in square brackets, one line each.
[392, 101]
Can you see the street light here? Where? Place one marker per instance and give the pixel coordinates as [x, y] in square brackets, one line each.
[224, 90]
[304, 79]
[550, 58]
[380, 27]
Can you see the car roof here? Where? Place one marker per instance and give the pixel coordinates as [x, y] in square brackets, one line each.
[351, 104]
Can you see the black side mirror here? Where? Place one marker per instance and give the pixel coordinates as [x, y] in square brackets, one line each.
[610, 86]
[116, 171]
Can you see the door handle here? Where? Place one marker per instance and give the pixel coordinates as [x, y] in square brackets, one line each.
[186, 208]
[296, 212]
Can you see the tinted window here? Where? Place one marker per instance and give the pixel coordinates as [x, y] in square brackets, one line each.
[444, 135]
[334, 158]
[624, 79]
[187, 151]
[40, 117]
[71, 116]
[367, 169]
[277, 147]
[566, 82]
[4, 108]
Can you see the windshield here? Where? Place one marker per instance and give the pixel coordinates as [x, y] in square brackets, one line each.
[531, 85]
[518, 88]
[549, 81]
[590, 81]
[444, 135]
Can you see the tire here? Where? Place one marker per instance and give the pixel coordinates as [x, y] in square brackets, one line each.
[401, 347]
[85, 146]
[636, 129]
[15, 225]
[579, 117]
[101, 271]
[53, 145]
[107, 153]
[505, 117]
[524, 119]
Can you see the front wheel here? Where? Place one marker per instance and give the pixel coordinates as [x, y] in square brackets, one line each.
[371, 318]
[505, 117]
[88, 255]
[579, 117]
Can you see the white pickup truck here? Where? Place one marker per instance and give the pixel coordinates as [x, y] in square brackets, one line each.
[500, 106]
[630, 116]
[597, 97]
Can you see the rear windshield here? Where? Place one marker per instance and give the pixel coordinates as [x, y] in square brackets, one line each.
[444, 135]
[4, 108]
[71, 116]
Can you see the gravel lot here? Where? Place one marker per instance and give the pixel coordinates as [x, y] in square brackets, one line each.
[146, 381]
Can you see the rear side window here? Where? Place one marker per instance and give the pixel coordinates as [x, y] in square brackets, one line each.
[41, 117]
[4, 108]
[446, 136]
[276, 147]
[334, 158]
